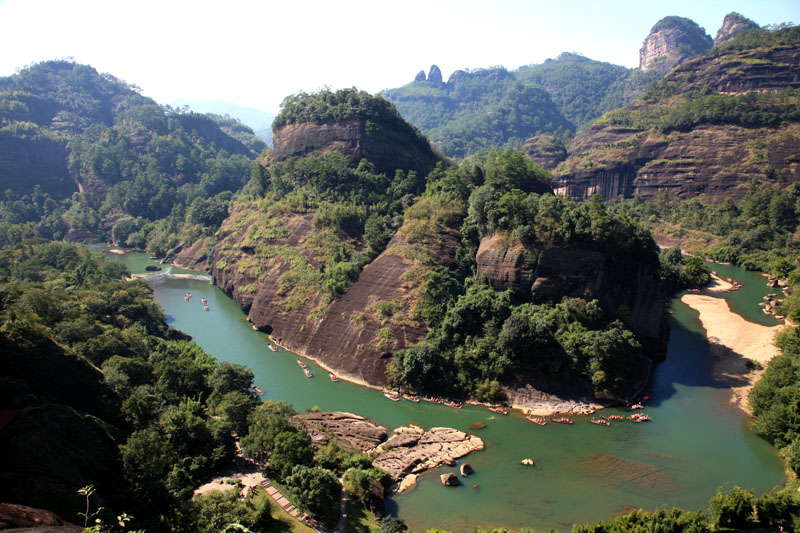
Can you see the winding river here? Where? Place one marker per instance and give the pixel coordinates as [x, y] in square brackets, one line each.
[696, 443]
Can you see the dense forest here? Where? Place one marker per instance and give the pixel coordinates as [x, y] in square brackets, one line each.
[480, 109]
[110, 164]
[101, 395]
[758, 233]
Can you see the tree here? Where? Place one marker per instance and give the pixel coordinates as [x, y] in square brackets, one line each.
[734, 509]
[144, 464]
[291, 448]
[221, 511]
[267, 421]
[393, 524]
[317, 491]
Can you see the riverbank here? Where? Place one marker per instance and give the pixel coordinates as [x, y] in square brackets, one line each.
[733, 341]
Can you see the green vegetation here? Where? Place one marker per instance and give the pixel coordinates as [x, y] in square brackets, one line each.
[489, 108]
[101, 395]
[774, 399]
[481, 337]
[151, 176]
[758, 233]
[345, 105]
[479, 110]
[584, 89]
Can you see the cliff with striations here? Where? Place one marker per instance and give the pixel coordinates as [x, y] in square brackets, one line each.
[356, 333]
[550, 274]
[670, 42]
[710, 127]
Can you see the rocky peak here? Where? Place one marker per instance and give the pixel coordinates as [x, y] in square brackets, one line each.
[671, 41]
[434, 74]
[733, 25]
[420, 76]
[456, 75]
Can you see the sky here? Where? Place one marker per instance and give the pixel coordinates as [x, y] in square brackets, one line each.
[254, 53]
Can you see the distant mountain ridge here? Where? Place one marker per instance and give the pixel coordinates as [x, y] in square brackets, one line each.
[479, 109]
[258, 120]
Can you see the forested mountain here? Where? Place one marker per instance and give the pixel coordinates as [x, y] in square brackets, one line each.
[432, 274]
[85, 156]
[485, 108]
[711, 126]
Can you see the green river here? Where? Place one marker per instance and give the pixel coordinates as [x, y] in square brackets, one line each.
[696, 443]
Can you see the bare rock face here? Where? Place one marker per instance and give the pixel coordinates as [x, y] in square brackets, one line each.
[387, 149]
[420, 76]
[456, 75]
[352, 430]
[435, 447]
[670, 42]
[348, 335]
[715, 160]
[550, 274]
[22, 518]
[435, 75]
[733, 25]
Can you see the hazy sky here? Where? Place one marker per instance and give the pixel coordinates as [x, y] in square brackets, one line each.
[254, 53]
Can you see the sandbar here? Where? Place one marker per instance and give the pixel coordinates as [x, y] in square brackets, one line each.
[734, 340]
[718, 284]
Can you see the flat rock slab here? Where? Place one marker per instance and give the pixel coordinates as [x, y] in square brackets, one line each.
[347, 428]
[435, 447]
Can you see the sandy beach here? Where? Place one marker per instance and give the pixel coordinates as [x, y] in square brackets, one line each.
[718, 284]
[733, 341]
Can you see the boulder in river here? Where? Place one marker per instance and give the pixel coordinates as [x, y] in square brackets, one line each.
[450, 480]
[466, 469]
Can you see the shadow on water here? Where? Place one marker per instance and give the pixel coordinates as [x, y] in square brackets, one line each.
[689, 359]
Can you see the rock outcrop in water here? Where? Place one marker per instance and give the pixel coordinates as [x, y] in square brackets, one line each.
[411, 450]
[408, 452]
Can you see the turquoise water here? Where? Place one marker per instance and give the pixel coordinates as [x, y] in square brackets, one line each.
[696, 443]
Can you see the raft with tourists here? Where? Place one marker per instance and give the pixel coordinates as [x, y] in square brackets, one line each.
[540, 420]
[562, 420]
[392, 395]
[600, 422]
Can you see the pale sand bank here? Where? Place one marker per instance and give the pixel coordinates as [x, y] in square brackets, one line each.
[733, 340]
[718, 284]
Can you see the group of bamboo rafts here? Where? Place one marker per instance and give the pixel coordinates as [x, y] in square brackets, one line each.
[604, 420]
[188, 297]
[415, 398]
[307, 371]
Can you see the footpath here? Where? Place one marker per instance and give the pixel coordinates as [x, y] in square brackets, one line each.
[287, 506]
